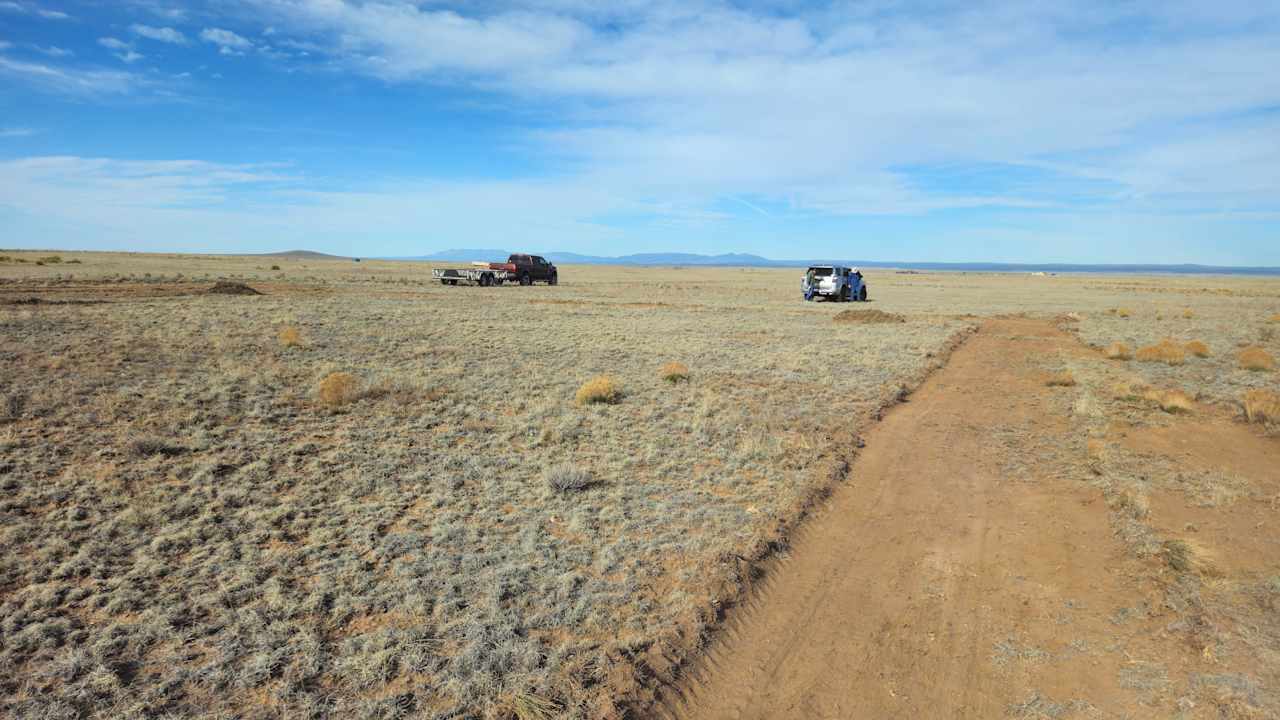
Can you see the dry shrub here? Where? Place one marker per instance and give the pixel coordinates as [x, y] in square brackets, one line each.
[1188, 314]
[338, 389]
[1197, 348]
[1262, 406]
[290, 337]
[1124, 312]
[600, 389]
[1118, 351]
[1186, 556]
[1176, 401]
[568, 478]
[1152, 395]
[674, 372]
[1165, 351]
[864, 317]
[1255, 358]
[1063, 378]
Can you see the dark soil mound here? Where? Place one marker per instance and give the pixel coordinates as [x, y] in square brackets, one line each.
[867, 316]
[231, 288]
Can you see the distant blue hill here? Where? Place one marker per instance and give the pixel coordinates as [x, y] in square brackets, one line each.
[747, 260]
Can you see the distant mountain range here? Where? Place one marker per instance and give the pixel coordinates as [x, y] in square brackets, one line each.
[747, 260]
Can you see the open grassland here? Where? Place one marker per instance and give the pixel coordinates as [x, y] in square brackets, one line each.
[365, 495]
[362, 494]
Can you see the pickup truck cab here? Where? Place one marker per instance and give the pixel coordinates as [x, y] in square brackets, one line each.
[528, 269]
[833, 282]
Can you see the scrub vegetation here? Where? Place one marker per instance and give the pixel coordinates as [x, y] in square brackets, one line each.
[363, 495]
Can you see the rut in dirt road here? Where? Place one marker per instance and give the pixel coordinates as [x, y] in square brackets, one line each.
[930, 582]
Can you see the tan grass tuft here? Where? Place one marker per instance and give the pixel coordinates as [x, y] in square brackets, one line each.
[600, 389]
[338, 389]
[1118, 351]
[290, 337]
[1187, 556]
[674, 372]
[1188, 314]
[1176, 401]
[1275, 318]
[1197, 348]
[1255, 358]
[1127, 390]
[1063, 378]
[1165, 351]
[1262, 406]
[1124, 312]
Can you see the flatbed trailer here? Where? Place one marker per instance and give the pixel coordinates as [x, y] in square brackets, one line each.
[482, 276]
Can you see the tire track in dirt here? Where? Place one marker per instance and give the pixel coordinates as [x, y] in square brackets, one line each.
[936, 582]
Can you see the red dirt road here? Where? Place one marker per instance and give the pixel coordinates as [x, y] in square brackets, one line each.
[949, 578]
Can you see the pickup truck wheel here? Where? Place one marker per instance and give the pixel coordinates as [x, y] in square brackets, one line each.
[555, 279]
[443, 281]
[525, 280]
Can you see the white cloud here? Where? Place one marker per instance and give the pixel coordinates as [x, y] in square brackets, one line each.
[16, 132]
[228, 42]
[130, 56]
[823, 108]
[67, 81]
[159, 34]
[54, 51]
[29, 9]
[113, 43]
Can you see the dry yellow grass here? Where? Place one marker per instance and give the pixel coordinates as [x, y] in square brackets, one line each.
[1063, 378]
[1176, 401]
[1275, 318]
[600, 389]
[1165, 351]
[1118, 351]
[1188, 314]
[1262, 406]
[1124, 312]
[338, 389]
[1126, 390]
[290, 337]
[674, 372]
[1197, 348]
[1255, 358]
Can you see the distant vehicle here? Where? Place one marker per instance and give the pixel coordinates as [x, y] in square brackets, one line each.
[519, 267]
[833, 282]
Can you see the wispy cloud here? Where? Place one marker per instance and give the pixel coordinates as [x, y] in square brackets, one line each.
[228, 43]
[16, 132]
[54, 51]
[30, 9]
[74, 82]
[820, 107]
[159, 34]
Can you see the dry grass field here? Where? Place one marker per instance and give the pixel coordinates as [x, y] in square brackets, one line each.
[364, 495]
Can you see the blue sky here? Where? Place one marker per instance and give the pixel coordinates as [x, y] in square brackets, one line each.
[944, 131]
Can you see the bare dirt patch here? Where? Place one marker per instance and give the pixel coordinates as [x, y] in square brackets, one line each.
[231, 288]
[872, 316]
[970, 568]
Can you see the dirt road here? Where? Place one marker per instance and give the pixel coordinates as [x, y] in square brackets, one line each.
[952, 576]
